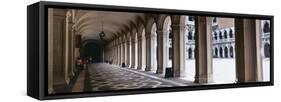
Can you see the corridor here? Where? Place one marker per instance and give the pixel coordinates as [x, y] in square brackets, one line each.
[106, 77]
[95, 50]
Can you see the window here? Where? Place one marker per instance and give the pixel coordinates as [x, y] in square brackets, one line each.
[225, 34]
[230, 33]
[266, 28]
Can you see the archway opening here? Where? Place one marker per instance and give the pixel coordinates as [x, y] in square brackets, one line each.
[154, 48]
[189, 49]
[143, 50]
[136, 50]
[224, 70]
[93, 51]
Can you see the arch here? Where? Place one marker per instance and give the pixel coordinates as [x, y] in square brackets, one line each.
[154, 47]
[231, 52]
[266, 28]
[225, 52]
[215, 20]
[225, 34]
[189, 37]
[215, 35]
[190, 53]
[230, 33]
[167, 32]
[216, 52]
[220, 35]
[266, 50]
[190, 18]
[221, 52]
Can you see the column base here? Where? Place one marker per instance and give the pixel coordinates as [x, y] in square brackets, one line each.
[139, 68]
[147, 68]
[203, 79]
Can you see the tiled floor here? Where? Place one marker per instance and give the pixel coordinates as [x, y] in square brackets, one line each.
[103, 77]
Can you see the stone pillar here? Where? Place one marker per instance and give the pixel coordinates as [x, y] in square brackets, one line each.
[177, 49]
[139, 52]
[259, 46]
[246, 50]
[128, 47]
[71, 50]
[50, 49]
[203, 46]
[133, 42]
[160, 52]
[123, 49]
[66, 49]
[119, 51]
[148, 51]
[58, 52]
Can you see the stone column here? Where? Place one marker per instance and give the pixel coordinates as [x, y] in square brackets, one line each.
[123, 49]
[177, 49]
[246, 50]
[203, 46]
[160, 52]
[50, 49]
[133, 42]
[71, 50]
[258, 54]
[139, 52]
[128, 50]
[148, 51]
[66, 50]
[115, 52]
[58, 52]
[119, 51]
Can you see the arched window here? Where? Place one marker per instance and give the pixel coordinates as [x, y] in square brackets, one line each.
[266, 28]
[230, 33]
[189, 35]
[231, 51]
[221, 52]
[225, 52]
[190, 18]
[215, 20]
[266, 50]
[216, 52]
[225, 34]
[215, 35]
[190, 53]
[220, 35]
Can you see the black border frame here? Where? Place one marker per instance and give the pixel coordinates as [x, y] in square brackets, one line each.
[37, 88]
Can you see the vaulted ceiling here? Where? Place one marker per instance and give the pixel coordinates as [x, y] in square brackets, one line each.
[90, 23]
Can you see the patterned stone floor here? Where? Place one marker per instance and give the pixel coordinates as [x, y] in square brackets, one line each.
[104, 77]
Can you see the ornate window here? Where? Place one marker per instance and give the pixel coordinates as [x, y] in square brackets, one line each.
[220, 35]
[225, 34]
[266, 50]
[266, 28]
[230, 33]
[215, 35]
[231, 51]
[225, 52]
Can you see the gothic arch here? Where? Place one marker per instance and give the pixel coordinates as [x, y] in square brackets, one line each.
[266, 28]
[190, 53]
[266, 50]
[215, 35]
[220, 35]
[221, 52]
[216, 52]
[231, 52]
[225, 34]
[230, 33]
[225, 52]
[189, 37]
